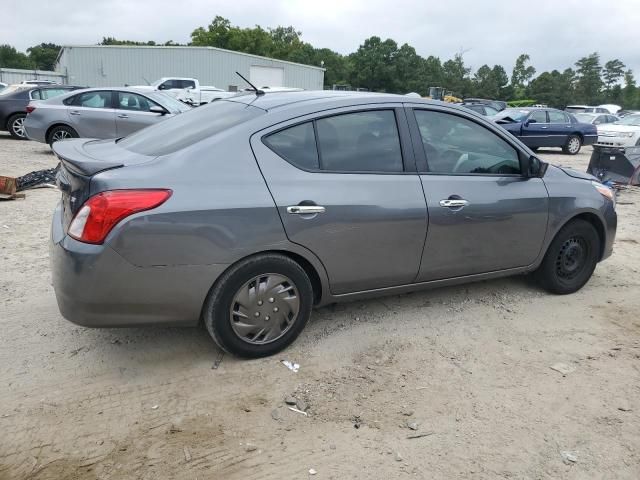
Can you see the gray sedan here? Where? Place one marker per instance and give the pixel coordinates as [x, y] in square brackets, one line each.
[98, 113]
[245, 213]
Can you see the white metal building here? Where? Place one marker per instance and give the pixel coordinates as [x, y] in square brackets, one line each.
[103, 66]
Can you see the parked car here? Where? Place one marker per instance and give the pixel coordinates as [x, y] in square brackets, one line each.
[624, 113]
[14, 100]
[611, 108]
[481, 108]
[98, 113]
[585, 109]
[247, 212]
[186, 89]
[3, 86]
[496, 104]
[622, 134]
[547, 127]
[596, 118]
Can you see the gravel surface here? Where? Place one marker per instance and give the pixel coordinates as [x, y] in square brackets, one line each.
[448, 383]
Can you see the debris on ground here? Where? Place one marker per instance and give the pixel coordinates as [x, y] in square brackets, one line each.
[412, 425]
[398, 457]
[155, 407]
[568, 458]
[357, 422]
[8, 189]
[217, 361]
[294, 367]
[289, 400]
[276, 414]
[420, 435]
[38, 179]
[250, 447]
[187, 454]
[312, 471]
[302, 405]
[563, 368]
[293, 409]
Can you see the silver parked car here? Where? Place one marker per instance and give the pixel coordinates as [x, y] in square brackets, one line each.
[247, 212]
[98, 113]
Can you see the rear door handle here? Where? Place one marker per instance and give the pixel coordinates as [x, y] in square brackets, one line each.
[305, 209]
[74, 112]
[122, 115]
[544, 127]
[454, 203]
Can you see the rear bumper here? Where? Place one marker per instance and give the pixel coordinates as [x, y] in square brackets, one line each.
[590, 139]
[34, 130]
[96, 287]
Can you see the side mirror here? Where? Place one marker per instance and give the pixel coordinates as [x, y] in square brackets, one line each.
[531, 166]
[157, 109]
[163, 86]
[529, 122]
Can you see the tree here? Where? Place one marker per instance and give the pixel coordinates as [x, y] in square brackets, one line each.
[521, 75]
[44, 56]
[456, 76]
[553, 88]
[11, 58]
[589, 83]
[373, 64]
[217, 34]
[629, 92]
[613, 71]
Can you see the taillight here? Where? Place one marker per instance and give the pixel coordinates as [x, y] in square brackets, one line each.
[103, 211]
[30, 108]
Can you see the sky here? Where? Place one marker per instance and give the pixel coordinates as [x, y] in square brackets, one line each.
[555, 33]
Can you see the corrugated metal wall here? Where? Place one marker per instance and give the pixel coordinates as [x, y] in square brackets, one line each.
[102, 66]
[14, 75]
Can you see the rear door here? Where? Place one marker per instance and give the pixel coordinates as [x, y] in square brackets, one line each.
[559, 127]
[92, 115]
[484, 215]
[346, 189]
[132, 113]
[535, 130]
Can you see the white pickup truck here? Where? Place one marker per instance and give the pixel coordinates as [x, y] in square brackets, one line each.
[187, 90]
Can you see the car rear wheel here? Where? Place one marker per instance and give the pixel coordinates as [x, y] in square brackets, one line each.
[259, 306]
[15, 125]
[61, 132]
[573, 145]
[570, 259]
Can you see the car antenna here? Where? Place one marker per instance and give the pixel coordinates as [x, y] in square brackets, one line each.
[255, 89]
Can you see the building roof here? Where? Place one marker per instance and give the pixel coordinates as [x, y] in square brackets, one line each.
[174, 47]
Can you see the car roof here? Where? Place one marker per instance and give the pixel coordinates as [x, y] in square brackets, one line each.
[115, 89]
[278, 100]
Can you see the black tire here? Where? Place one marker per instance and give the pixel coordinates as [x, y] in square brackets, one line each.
[15, 126]
[573, 145]
[570, 259]
[217, 315]
[60, 131]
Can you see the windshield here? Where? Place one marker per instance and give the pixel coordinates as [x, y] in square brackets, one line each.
[514, 114]
[584, 117]
[174, 106]
[188, 128]
[628, 120]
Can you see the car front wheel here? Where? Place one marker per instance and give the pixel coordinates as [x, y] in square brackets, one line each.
[573, 145]
[15, 125]
[570, 259]
[259, 306]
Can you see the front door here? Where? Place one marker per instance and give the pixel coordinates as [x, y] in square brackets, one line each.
[535, 130]
[132, 113]
[484, 215]
[343, 190]
[92, 116]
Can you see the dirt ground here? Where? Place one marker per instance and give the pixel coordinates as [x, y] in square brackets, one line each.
[468, 367]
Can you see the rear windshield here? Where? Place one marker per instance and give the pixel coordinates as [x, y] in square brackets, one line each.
[188, 128]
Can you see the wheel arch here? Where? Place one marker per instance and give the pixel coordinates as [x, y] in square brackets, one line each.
[57, 124]
[595, 221]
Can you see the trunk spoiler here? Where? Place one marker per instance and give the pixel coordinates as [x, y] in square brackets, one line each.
[76, 158]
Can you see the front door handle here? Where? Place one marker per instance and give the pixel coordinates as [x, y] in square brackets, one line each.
[454, 203]
[305, 209]
[122, 115]
[544, 127]
[74, 112]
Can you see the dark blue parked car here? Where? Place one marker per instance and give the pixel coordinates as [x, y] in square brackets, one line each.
[547, 127]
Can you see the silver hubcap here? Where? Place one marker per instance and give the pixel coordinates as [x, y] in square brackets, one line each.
[60, 135]
[574, 145]
[18, 127]
[265, 308]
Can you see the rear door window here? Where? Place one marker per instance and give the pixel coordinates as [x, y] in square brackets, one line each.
[297, 145]
[360, 142]
[95, 99]
[187, 84]
[557, 117]
[47, 93]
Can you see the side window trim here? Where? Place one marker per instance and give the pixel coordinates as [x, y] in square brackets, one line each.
[404, 137]
[421, 155]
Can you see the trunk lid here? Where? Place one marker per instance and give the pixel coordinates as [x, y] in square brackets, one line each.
[82, 159]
